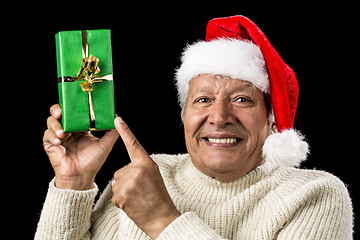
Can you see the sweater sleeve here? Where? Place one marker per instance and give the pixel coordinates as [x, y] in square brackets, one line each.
[189, 226]
[66, 214]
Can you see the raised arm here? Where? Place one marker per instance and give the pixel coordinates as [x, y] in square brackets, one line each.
[76, 158]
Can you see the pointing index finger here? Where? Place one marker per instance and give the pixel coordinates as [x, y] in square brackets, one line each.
[133, 146]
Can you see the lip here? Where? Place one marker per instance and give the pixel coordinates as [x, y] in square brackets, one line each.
[221, 136]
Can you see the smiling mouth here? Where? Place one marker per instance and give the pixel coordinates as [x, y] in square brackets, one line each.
[222, 140]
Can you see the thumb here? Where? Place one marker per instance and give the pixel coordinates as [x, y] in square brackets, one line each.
[133, 146]
[109, 139]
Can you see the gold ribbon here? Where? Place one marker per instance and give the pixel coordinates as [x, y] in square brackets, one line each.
[88, 72]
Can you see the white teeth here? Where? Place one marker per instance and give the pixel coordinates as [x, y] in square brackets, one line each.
[222, 140]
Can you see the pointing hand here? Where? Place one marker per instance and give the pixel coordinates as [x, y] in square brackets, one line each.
[139, 189]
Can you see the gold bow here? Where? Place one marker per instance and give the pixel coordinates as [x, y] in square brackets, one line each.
[88, 71]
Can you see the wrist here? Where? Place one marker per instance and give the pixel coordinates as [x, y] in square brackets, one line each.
[160, 224]
[74, 183]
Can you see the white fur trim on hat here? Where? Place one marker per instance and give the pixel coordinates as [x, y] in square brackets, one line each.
[286, 148]
[231, 57]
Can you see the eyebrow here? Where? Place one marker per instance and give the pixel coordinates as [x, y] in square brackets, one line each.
[243, 87]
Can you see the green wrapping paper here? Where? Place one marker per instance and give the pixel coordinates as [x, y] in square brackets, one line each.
[85, 110]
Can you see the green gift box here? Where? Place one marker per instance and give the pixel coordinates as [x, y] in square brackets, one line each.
[85, 83]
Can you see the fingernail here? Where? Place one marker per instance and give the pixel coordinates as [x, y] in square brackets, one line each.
[119, 120]
[59, 133]
[113, 182]
[56, 141]
[58, 112]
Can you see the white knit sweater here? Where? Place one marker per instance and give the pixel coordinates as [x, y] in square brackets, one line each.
[270, 202]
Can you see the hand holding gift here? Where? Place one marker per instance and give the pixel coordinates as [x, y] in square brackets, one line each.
[75, 157]
[86, 99]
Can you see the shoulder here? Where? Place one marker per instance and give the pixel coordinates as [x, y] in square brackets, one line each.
[317, 195]
[317, 180]
[305, 184]
[317, 190]
[301, 188]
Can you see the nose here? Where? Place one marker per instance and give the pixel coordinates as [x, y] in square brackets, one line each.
[221, 114]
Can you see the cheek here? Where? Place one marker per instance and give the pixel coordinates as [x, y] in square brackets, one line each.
[258, 138]
[256, 125]
[193, 121]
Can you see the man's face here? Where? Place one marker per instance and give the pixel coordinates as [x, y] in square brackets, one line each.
[226, 124]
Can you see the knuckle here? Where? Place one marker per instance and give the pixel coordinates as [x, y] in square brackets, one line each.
[131, 186]
[134, 143]
[48, 120]
[52, 122]
[118, 200]
[125, 126]
[122, 196]
[120, 172]
[117, 174]
[114, 201]
[46, 135]
[139, 172]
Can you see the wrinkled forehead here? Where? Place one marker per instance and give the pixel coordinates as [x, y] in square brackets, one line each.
[209, 83]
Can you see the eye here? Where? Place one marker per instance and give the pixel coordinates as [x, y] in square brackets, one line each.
[242, 100]
[202, 100]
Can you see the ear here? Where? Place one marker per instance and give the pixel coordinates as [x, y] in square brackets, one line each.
[273, 127]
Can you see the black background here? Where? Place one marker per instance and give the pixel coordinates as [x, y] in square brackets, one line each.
[318, 42]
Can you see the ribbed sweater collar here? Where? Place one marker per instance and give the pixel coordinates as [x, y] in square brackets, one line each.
[202, 188]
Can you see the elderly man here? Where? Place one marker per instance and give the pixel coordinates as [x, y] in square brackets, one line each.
[238, 180]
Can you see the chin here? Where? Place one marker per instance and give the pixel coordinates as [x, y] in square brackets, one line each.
[222, 162]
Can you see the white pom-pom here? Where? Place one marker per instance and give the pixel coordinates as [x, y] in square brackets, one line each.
[287, 148]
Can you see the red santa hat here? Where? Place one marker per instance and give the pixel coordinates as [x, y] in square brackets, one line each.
[236, 47]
